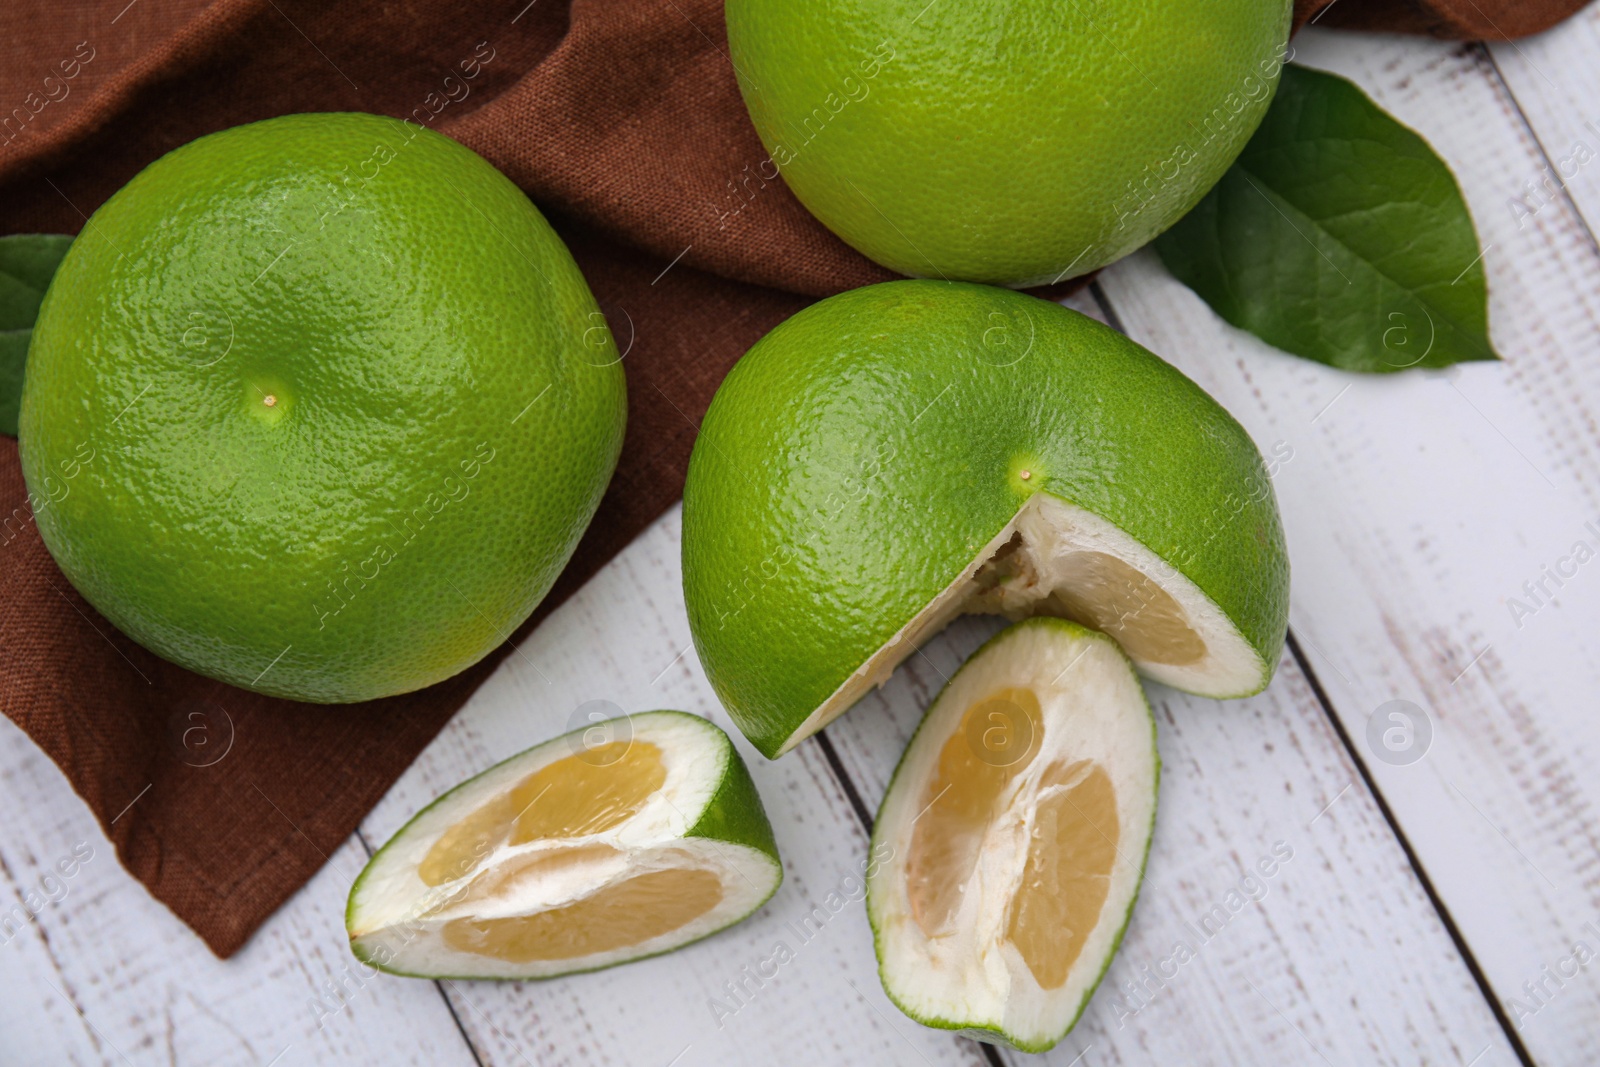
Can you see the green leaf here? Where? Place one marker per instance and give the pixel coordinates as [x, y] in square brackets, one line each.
[27, 263]
[1340, 236]
[13, 356]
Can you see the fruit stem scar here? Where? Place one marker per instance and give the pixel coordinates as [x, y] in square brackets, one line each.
[1025, 475]
[271, 400]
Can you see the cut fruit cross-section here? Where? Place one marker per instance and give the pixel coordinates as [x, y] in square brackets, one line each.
[1017, 826]
[897, 455]
[572, 856]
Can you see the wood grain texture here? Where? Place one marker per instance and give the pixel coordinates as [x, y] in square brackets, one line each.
[1555, 80]
[105, 975]
[1416, 507]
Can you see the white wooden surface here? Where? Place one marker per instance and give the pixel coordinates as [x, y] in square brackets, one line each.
[1418, 898]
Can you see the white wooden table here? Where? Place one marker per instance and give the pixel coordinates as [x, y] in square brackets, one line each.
[1438, 911]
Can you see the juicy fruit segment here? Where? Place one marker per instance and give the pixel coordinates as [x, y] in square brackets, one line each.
[588, 793]
[1064, 886]
[1072, 839]
[1017, 824]
[569, 857]
[585, 793]
[963, 800]
[461, 846]
[1102, 591]
[638, 910]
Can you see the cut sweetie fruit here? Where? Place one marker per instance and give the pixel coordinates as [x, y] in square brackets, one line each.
[625, 839]
[896, 455]
[1017, 826]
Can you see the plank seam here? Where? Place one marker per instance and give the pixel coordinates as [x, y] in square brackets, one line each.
[1550, 165]
[1467, 956]
[851, 793]
[1112, 318]
[991, 1054]
[449, 1007]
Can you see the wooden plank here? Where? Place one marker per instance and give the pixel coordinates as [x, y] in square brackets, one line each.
[1555, 79]
[105, 975]
[625, 638]
[1417, 506]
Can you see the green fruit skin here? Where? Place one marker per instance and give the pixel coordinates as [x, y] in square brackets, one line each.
[1004, 141]
[991, 1034]
[392, 519]
[861, 455]
[734, 814]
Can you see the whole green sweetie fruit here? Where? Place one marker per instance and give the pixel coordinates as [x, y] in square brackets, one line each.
[318, 406]
[1016, 142]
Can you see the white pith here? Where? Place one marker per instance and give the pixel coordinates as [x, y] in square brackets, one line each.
[1093, 708]
[392, 907]
[1050, 529]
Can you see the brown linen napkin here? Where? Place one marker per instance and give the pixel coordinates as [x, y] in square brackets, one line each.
[623, 122]
[1462, 20]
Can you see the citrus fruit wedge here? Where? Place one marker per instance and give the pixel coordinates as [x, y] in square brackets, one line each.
[624, 839]
[1017, 826]
[896, 455]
